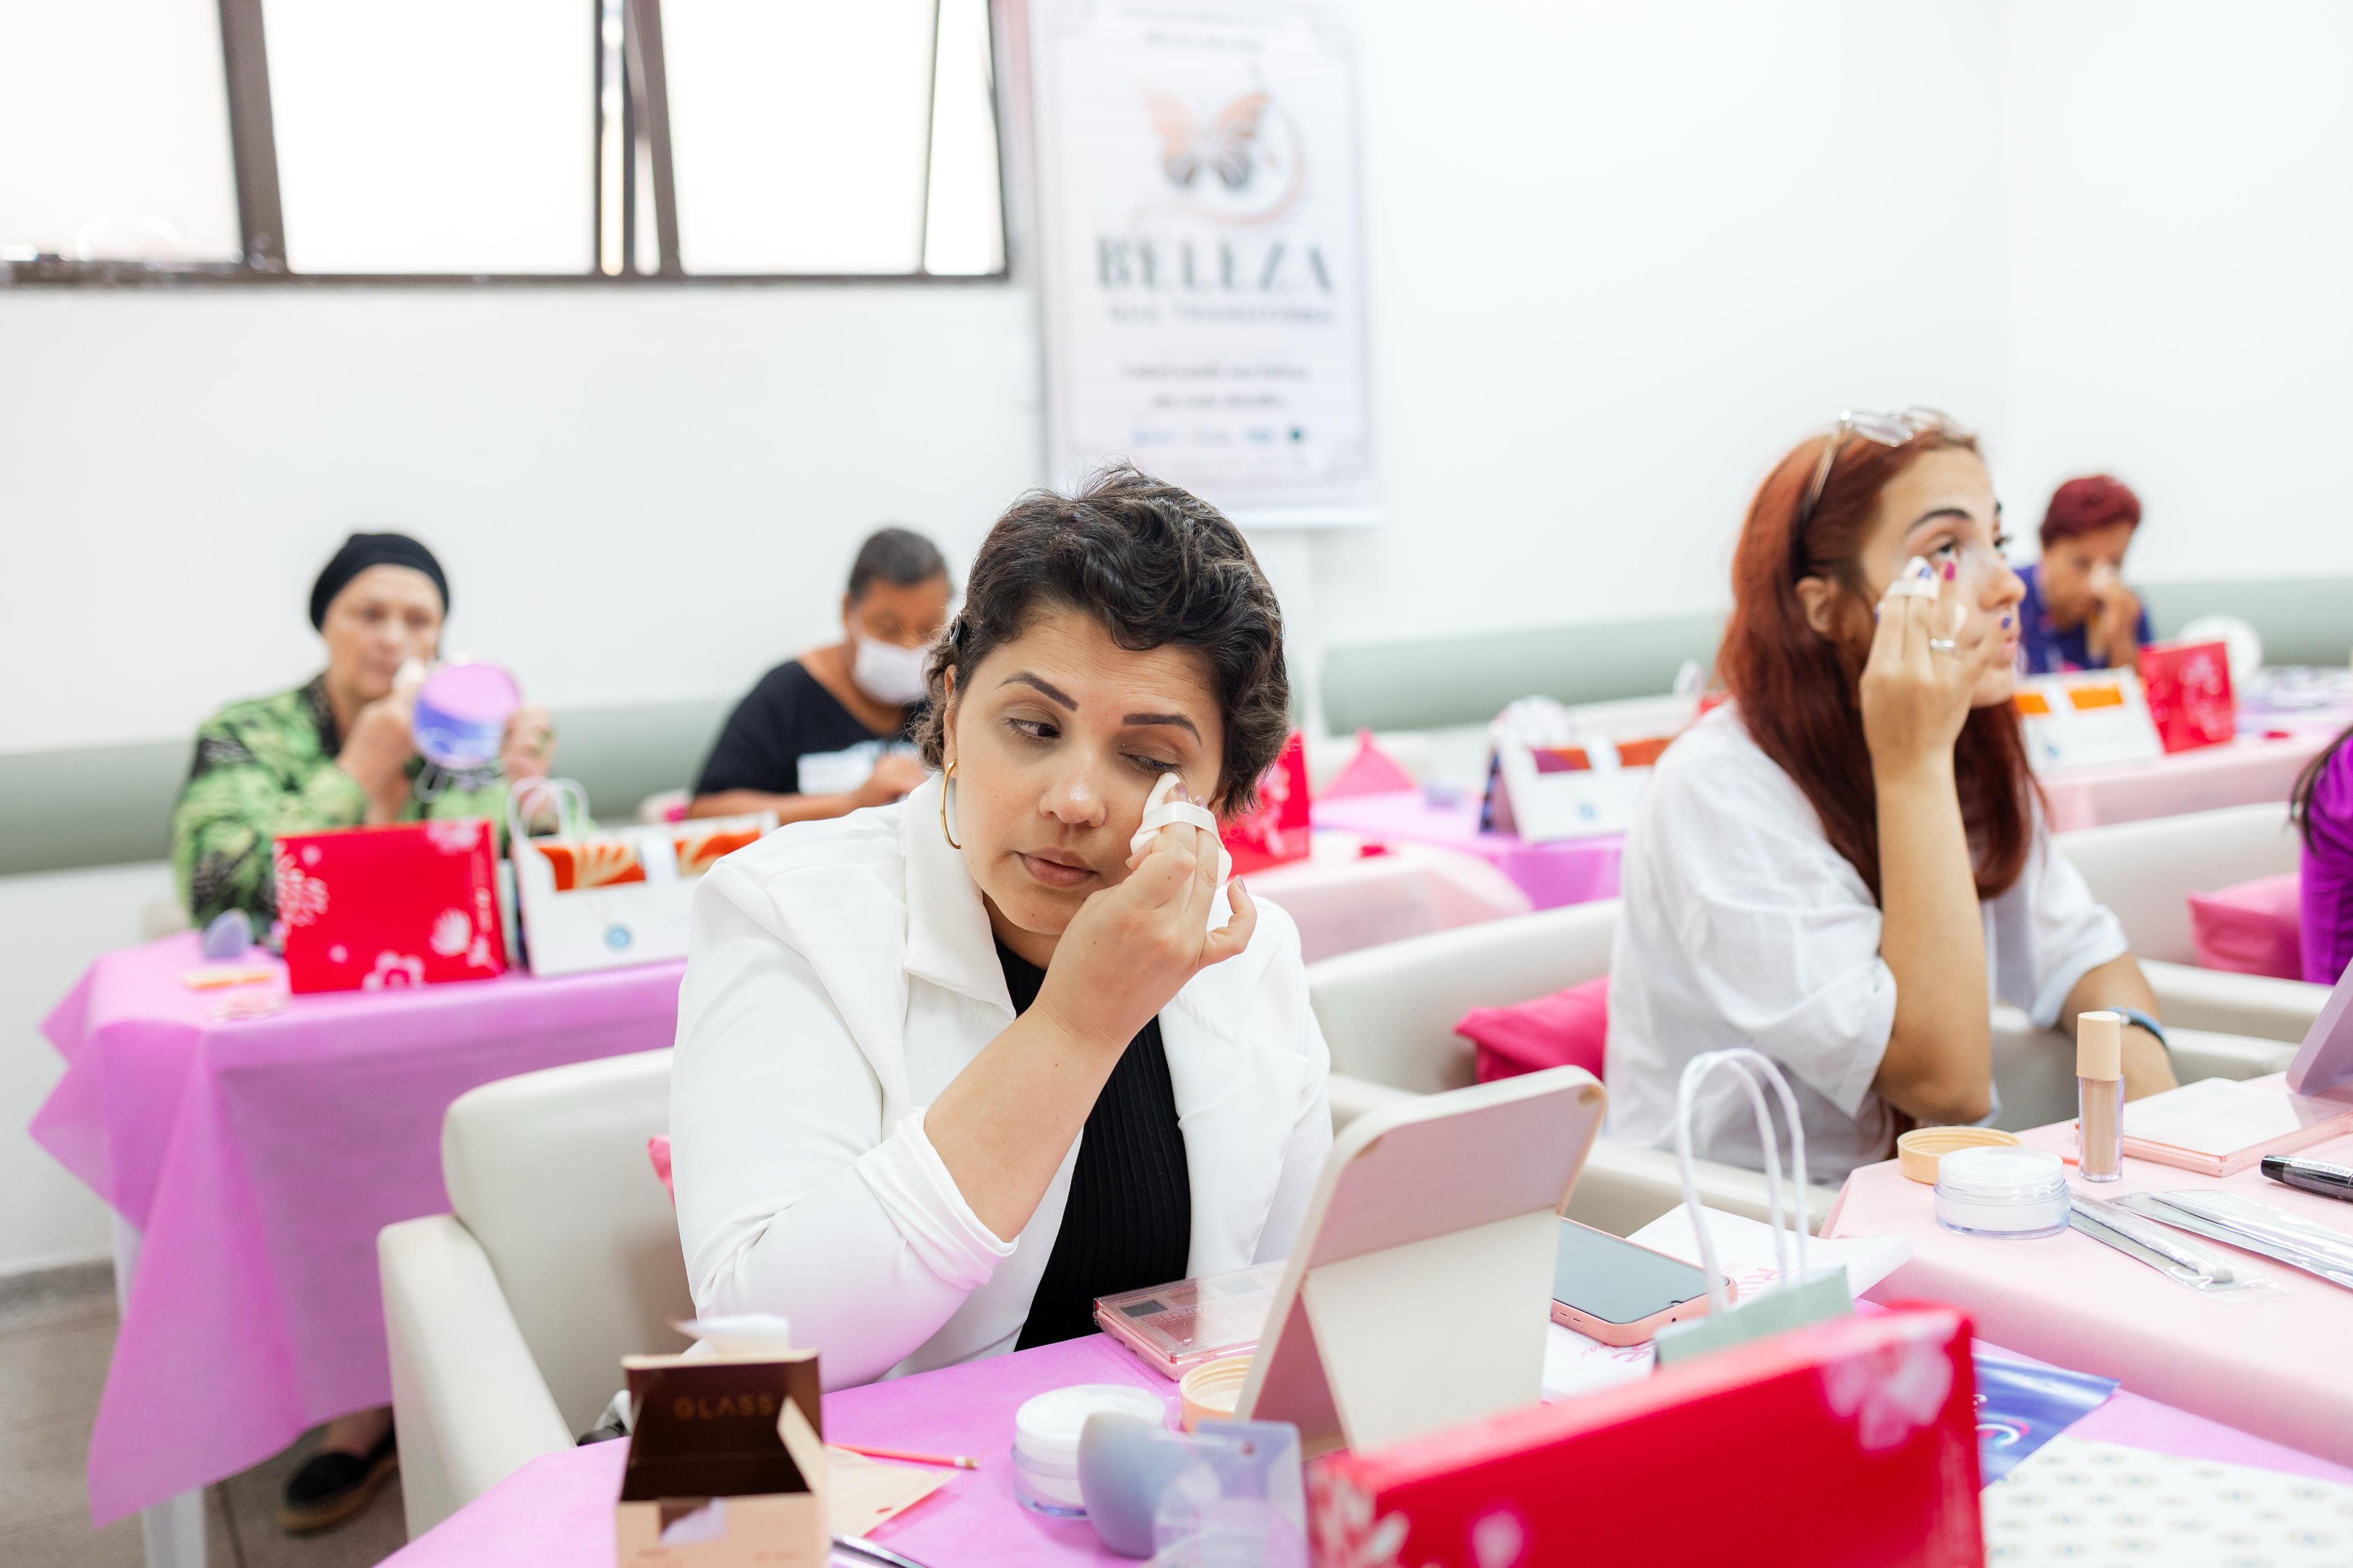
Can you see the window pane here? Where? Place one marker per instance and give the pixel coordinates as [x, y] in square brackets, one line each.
[114, 132]
[797, 132]
[434, 135]
[965, 229]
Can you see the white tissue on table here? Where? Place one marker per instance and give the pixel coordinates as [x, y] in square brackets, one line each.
[741, 1333]
[1744, 1250]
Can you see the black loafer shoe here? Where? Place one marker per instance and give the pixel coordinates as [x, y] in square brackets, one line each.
[335, 1486]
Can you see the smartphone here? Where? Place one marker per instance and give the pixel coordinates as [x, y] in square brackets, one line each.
[1607, 1288]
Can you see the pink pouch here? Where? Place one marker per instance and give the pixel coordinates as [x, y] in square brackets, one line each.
[657, 1151]
[2255, 928]
[1568, 1028]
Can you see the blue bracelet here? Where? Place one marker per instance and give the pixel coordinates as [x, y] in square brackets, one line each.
[2134, 1016]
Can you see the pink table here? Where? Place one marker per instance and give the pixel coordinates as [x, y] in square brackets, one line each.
[2277, 1368]
[557, 1512]
[258, 1159]
[2244, 771]
[1570, 871]
[1344, 900]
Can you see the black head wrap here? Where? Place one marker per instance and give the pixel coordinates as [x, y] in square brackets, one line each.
[362, 551]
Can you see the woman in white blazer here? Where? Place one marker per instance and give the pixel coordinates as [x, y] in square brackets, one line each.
[949, 1069]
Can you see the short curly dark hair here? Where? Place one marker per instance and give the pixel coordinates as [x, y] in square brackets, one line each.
[1156, 566]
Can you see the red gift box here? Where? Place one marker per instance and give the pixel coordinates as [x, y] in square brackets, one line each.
[1850, 1444]
[409, 903]
[2188, 691]
[1277, 830]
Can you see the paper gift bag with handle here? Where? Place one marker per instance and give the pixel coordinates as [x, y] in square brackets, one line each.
[1804, 1294]
[606, 898]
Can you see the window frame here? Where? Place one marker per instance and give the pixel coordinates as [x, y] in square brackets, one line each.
[261, 211]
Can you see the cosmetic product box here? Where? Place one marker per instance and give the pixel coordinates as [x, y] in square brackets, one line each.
[727, 1466]
[1851, 1441]
[405, 903]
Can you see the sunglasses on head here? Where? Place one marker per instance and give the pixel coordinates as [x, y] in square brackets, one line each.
[1887, 429]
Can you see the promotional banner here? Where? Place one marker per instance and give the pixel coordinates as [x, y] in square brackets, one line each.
[1201, 256]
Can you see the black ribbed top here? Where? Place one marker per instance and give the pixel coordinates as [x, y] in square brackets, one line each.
[1128, 1225]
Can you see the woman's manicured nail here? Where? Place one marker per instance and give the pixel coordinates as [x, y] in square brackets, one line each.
[1951, 571]
[1181, 793]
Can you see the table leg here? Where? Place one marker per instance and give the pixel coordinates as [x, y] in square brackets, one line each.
[174, 1530]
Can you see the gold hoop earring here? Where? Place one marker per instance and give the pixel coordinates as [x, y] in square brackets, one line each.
[948, 782]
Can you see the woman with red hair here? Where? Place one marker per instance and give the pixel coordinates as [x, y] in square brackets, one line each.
[2078, 614]
[1845, 865]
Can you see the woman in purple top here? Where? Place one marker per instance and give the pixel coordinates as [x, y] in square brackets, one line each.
[2323, 806]
[2078, 614]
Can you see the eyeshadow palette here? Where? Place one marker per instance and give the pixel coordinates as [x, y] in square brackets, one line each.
[1174, 1327]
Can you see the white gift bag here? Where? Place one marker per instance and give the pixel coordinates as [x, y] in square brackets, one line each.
[606, 898]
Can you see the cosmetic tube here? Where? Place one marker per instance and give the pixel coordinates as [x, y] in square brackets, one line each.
[2099, 1096]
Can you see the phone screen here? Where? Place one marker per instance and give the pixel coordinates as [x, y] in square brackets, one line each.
[1610, 1279]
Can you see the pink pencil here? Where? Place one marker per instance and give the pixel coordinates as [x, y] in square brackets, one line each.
[956, 1461]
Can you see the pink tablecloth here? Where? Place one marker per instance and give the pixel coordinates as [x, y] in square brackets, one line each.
[2276, 1368]
[2244, 771]
[1344, 900]
[1571, 871]
[557, 1512]
[258, 1159]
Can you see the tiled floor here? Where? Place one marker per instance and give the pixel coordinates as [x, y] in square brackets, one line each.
[55, 1333]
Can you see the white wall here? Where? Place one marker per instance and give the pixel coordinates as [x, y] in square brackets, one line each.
[2179, 220]
[638, 497]
[1624, 256]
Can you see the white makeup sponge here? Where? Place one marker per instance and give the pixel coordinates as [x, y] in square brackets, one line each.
[1160, 811]
[1916, 581]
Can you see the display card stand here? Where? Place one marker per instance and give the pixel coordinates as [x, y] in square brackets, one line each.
[1421, 1288]
[2324, 1063]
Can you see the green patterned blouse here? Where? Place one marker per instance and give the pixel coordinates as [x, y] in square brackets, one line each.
[267, 767]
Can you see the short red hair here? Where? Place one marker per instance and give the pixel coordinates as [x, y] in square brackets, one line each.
[2083, 506]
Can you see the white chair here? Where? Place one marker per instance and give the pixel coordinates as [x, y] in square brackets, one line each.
[1389, 1014]
[2145, 872]
[507, 1318]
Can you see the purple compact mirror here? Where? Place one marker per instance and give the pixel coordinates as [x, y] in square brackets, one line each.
[461, 713]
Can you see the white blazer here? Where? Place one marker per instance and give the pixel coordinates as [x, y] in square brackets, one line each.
[839, 975]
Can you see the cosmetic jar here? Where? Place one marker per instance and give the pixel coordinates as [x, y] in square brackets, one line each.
[1993, 1190]
[1046, 1441]
[1212, 1391]
[1918, 1152]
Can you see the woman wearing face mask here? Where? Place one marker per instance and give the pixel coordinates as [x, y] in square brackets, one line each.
[948, 1071]
[828, 732]
[338, 750]
[1846, 866]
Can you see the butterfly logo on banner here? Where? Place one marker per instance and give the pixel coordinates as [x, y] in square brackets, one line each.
[1227, 145]
[1217, 163]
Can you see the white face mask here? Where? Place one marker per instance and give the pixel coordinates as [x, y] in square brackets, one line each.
[887, 672]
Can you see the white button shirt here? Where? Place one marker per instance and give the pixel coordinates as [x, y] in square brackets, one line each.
[1742, 926]
[839, 975]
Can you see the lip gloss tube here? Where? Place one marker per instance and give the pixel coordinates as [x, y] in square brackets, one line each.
[2100, 1096]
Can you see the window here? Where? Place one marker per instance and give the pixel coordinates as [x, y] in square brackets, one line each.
[542, 138]
[114, 132]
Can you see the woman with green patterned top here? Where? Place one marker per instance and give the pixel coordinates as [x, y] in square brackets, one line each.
[336, 751]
